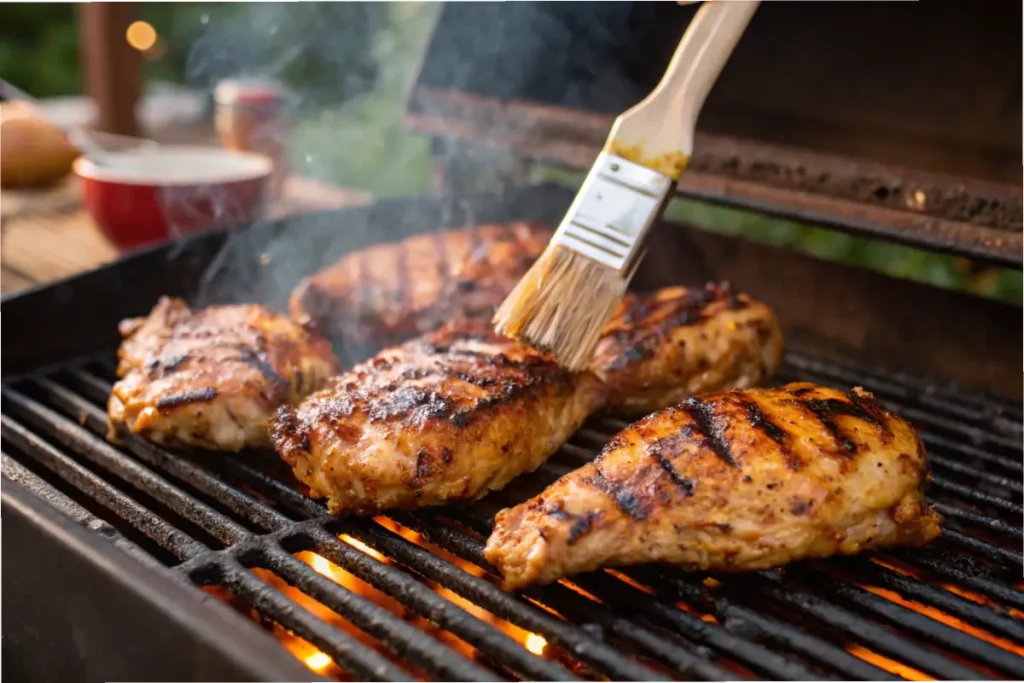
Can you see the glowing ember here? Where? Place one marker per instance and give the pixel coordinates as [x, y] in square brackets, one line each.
[362, 547]
[892, 666]
[949, 620]
[536, 644]
[318, 662]
[322, 566]
[322, 663]
[520, 635]
[625, 579]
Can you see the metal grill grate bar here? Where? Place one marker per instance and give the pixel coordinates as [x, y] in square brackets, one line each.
[931, 630]
[831, 614]
[175, 541]
[878, 638]
[402, 639]
[1013, 533]
[946, 567]
[695, 630]
[441, 612]
[566, 601]
[986, 550]
[649, 624]
[103, 454]
[959, 405]
[344, 649]
[977, 496]
[19, 474]
[581, 645]
[95, 420]
[910, 589]
[489, 640]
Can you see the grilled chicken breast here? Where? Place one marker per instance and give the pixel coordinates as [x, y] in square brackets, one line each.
[212, 378]
[389, 293]
[446, 417]
[732, 481]
[662, 347]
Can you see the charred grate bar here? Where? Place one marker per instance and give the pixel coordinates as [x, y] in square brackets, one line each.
[410, 595]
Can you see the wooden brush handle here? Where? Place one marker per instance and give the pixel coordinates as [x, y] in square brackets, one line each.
[664, 122]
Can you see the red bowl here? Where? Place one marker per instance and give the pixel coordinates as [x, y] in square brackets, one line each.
[143, 198]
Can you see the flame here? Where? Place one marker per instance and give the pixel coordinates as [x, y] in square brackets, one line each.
[322, 663]
[318, 661]
[948, 619]
[362, 547]
[520, 635]
[941, 616]
[892, 666]
[635, 584]
[536, 644]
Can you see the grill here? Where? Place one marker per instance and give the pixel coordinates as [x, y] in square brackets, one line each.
[350, 597]
[219, 567]
[133, 562]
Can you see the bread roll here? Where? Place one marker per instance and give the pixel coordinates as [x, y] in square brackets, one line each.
[33, 152]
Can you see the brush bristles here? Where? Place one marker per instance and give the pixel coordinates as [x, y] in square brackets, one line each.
[562, 305]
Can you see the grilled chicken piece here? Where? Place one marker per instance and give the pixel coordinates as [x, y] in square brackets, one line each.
[732, 481]
[663, 347]
[443, 418]
[390, 293]
[212, 378]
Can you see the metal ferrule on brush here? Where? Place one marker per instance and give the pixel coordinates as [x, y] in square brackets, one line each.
[615, 208]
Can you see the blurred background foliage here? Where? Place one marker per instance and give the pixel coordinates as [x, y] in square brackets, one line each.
[350, 64]
[39, 47]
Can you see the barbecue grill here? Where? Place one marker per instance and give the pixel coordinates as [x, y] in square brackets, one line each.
[133, 562]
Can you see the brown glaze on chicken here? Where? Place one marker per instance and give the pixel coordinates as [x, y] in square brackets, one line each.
[662, 347]
[732, 481]
[389, 293]
[212, 378]
[444, 418]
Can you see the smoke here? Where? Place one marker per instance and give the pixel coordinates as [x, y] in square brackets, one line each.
[323, 54]
[322, 51]
[339, 58]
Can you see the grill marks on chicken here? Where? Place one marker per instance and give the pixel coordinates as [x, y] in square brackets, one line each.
[676, 342]
[389, 293]
[454, 414]
[731, 481]
[443, 418]
[212, 378]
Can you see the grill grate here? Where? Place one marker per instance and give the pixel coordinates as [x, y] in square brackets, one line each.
[226, 523]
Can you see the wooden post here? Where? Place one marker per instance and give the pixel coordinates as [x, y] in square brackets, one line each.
[112, 69]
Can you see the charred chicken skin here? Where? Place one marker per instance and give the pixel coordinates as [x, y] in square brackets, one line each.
[732, 481]
[446, 417]
[663, 347]
[454, 414]
[390, 293]
[212, 378]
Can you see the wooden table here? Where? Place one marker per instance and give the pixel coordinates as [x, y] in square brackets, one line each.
[46, 234]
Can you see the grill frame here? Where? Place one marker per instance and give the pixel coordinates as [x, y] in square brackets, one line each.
[114, 595]
[234, 515]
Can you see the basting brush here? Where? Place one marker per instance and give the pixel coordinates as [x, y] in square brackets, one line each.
[564, 301]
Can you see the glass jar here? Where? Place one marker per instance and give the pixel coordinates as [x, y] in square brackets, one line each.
[253, 116]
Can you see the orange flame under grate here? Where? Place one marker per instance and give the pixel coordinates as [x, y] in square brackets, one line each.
[890, 665]
[940, 616]
[910, 673]
[321, 663]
